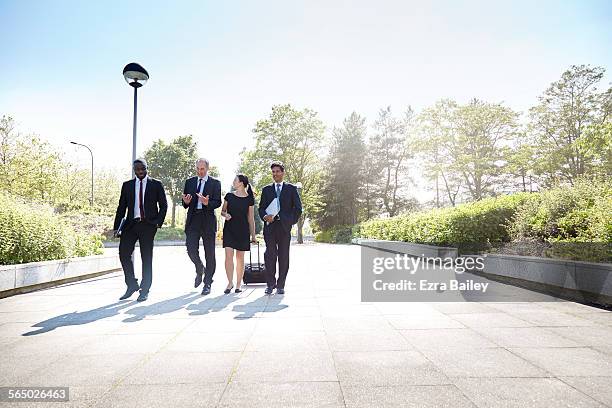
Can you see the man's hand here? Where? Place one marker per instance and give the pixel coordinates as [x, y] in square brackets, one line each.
[203, 199]
[268, 218]
[187, 198]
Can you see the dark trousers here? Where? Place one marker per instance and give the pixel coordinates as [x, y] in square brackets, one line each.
[277, 248]
[194, 232]
[144, 233]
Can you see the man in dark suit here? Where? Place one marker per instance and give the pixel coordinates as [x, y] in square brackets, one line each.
[201, 196]
[144, 199]
[277, 228]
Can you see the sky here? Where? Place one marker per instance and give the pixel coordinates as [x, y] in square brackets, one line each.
[216, 67]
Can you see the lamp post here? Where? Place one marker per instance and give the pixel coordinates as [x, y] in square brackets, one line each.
[91, 200]
[136, 76]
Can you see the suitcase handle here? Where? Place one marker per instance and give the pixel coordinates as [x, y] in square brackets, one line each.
[250, 260]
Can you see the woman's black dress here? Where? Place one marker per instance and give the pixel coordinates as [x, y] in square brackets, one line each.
[236, 233]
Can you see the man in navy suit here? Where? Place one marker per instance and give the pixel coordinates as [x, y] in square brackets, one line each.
[277, 228]
[144, 199]
[201, 196]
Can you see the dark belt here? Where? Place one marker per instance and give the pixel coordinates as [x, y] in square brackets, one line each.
[138, 219]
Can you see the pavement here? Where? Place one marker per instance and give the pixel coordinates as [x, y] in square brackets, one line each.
[316, 346]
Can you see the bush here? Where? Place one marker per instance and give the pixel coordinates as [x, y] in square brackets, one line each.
[470, 227]
[340, 234]
[567, 214]
[170, 234]
[31, 232]
[575, 222]
[563, 222]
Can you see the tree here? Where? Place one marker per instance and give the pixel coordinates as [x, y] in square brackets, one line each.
[520, 164]
[482, 129]
[596, 146]
[29, 165]
[388, 154]
[172, 163]
[434, 146]
[294, 137]
[467, 144]
[344, 180]
[566, 109]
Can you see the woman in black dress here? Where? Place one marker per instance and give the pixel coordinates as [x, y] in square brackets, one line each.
[239, 229]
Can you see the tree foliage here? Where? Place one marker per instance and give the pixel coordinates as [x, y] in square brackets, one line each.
[343, 191]
[296, 138]
[172, 163]
[566, 110]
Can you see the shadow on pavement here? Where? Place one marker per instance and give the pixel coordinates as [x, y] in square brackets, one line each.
[211, 304]
[159, 308]
[248, 310]
[208, 305]
[135, 313]
[77, 318]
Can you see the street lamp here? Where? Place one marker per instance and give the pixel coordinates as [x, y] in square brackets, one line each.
[91, 201]
[136, 76]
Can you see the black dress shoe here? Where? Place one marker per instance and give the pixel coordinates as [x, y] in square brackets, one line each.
[206, 290]
[198, 280]
[142, 297]
[268, 291]
[129, 292]
[228, 290]
[280, 291]
[238, 290]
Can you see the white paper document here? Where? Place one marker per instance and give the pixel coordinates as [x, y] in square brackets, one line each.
[273, 208]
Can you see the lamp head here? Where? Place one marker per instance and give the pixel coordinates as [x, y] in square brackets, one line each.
[135, 75]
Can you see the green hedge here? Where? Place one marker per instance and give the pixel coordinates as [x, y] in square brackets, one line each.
[31, 232]
[575, 223]
[572, 222]
[340, 234]
[470, 227]
[582, 213]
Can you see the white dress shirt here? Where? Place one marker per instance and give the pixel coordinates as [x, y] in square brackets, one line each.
[280, 187]
[204, 180]
[136, 190]
[276, 185]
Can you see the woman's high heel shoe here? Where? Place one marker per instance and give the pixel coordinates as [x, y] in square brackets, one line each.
[238, 290]
[228, 290]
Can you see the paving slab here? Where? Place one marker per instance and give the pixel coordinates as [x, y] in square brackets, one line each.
[317, 345]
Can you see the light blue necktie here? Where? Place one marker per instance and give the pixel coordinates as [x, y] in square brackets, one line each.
[200, 190]
[278, 193]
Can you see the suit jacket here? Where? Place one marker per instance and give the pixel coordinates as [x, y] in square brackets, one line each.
[212, 188]
[290, 205]
[154, 202]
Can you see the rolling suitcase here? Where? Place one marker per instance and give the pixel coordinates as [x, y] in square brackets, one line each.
[254, 272]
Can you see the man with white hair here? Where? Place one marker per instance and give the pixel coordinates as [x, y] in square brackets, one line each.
[201, 196]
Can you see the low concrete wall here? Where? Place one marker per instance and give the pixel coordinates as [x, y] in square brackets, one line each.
[585, 282]
[36, 275]
[580, 281]
[416, 250]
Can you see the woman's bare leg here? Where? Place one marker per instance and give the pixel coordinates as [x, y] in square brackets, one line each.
[229, 266]
[239, 268]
